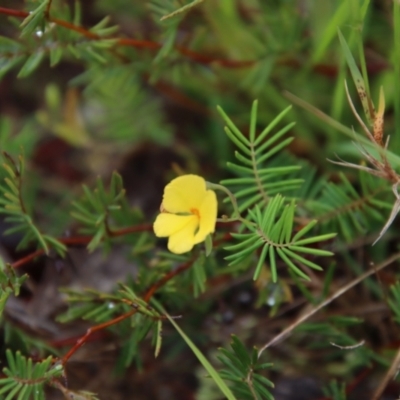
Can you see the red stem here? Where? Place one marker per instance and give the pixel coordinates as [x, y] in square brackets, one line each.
[13, 13]
[161, 282]
[146, 297]
[140, 44]
[27, 259]
[82, 340]
[82, 240]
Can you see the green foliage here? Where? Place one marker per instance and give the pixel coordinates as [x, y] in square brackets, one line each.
[98, 307]
[243, 369]
[343, 209]
[199, 276]
[338, 334]
[12, 143]
[24, 379]
[91, 305]
[10, 283]
[273, 234]
[360, 81]
[35, 19]
[394, 301]
[17, 338]
[293, 229]
[160, 10]
[269, 220]
[123, 123]
[336, 391]
[254, 184]
[205, 363]
[58, 43]
[13, 206]
[97, 208]
[14, 49]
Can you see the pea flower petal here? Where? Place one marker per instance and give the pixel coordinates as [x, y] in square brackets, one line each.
[208, 213]
[182, 241]
[188, 213]
[168, 224]
[184, 193]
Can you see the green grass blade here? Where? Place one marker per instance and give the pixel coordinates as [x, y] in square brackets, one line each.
[203, 360]
[330, 31]
[358, 80]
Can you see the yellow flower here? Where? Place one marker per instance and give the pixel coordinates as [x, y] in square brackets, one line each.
[188, 213]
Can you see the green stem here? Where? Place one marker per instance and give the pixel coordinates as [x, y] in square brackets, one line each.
[236, 213]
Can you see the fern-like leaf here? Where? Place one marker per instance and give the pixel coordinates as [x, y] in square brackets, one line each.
[25, 380]
[342, 208]
[253, 184]
[12, 205]
[242, 369]
[10, 283]
[272, 234]
[394, 301]
[97, 206]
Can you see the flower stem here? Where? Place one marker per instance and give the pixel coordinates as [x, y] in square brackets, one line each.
[236, 213]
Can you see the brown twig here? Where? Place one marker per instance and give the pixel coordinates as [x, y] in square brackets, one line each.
[390, 374]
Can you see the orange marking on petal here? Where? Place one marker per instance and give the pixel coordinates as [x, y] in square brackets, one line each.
[196, 212]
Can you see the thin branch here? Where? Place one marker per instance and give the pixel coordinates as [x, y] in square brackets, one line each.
[82, 240]
[146, 297]
[140, 44]
[13, 13]
[82, 340]
[28, 258]
[75, 28]
[359, 167]
[183, 267]
[388, 376]
[132, 229]
[281, 336]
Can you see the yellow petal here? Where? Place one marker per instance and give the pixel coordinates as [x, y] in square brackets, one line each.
[182, 240]
[184, 193]
[168, 224]
[208, 216]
